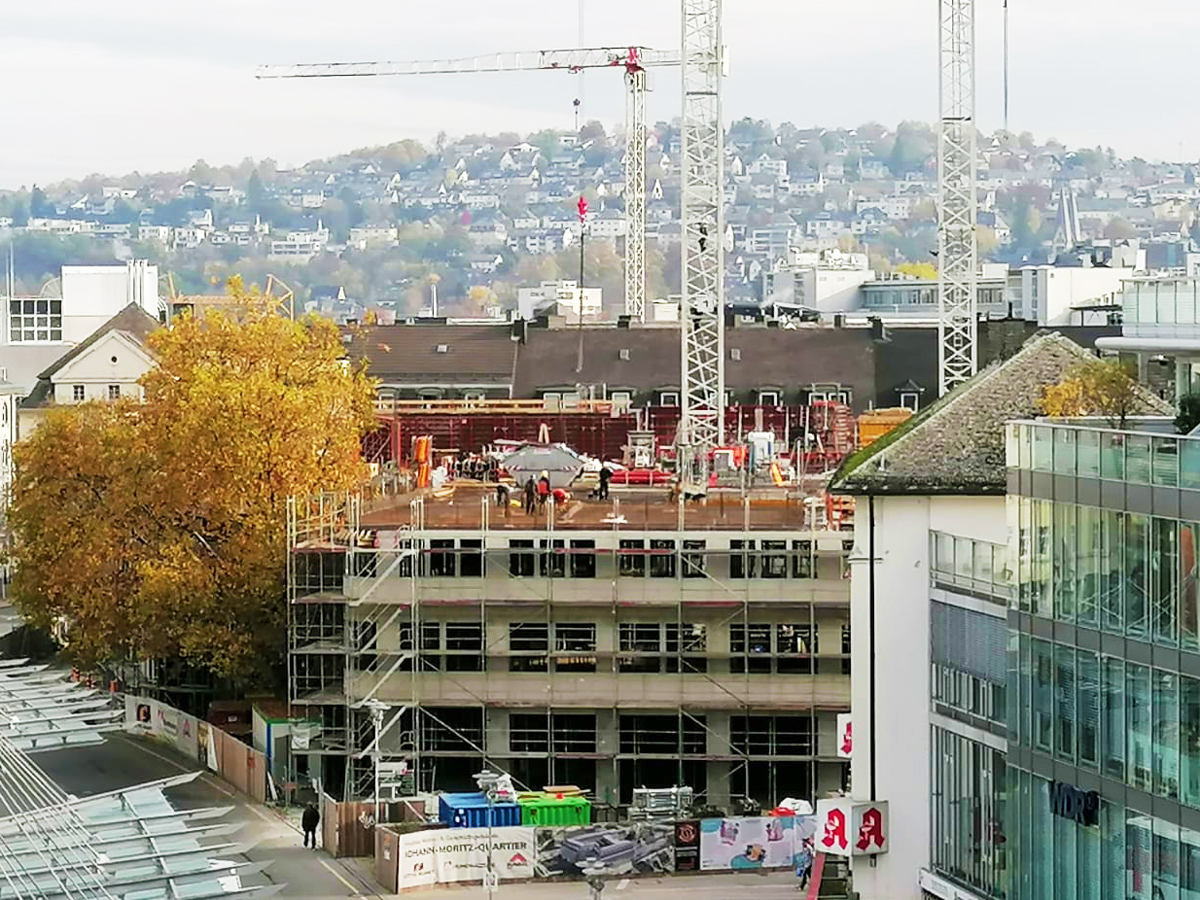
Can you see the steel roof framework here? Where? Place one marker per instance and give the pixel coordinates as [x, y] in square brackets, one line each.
[128, 844]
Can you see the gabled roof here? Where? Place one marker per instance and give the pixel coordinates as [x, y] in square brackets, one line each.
[550, 358]
[132, 320]
[474, 354]
[956, 445]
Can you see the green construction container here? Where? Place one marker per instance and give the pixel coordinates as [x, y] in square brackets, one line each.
[547, 811]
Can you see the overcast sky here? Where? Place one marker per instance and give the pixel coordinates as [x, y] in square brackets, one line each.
[156, 84]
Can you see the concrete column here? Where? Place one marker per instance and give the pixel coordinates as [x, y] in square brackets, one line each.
[718, 783]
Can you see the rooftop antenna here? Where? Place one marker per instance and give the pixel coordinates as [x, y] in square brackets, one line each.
[579, 99]
[1006, 66]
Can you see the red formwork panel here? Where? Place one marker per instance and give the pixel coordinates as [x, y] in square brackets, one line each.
[602, 435]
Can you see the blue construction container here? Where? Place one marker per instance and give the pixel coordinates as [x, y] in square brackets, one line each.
[471, 811]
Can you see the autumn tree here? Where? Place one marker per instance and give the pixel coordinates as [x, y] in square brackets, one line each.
[157, 529]
[1097, 387]
[923, 270]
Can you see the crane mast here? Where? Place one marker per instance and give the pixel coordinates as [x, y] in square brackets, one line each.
[635, 193]
[634, 60]
[957, 272]
[702, 309]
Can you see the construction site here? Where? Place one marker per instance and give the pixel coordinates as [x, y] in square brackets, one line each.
[608, 638]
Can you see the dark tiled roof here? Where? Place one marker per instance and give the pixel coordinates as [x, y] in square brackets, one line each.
[957, 444]
[782, 357]
[475, 354]
[133, 320]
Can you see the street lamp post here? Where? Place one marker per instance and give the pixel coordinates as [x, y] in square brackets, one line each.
[488, 783]
[490, 878]
[377, 710]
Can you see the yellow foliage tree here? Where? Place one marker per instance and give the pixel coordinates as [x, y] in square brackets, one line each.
[1097, 387]
[157, 530]
[923, 270]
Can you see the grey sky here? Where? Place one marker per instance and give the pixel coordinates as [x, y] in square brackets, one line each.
[156, 84]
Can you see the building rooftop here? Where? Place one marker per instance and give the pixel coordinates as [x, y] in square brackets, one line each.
[646, 509]
[477, 354]
[765, 356]
[957, 445]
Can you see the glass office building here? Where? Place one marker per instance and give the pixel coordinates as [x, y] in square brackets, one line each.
[1103, 714]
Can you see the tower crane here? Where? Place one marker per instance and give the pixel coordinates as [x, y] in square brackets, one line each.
[633, 60]
[957, 275]
[702, 308]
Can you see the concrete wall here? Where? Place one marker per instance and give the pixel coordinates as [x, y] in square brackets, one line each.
[901, 647]
[94, 294]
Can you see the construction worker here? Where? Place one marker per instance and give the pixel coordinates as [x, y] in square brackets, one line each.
[530, 496]
[543, 488]
[605, 477]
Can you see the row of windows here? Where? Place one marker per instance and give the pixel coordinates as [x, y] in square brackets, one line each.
[1130, 722]
[636, 558]
[649, 647]
[555, 732]
[1122, 572]
[34, 320]
[79, 392]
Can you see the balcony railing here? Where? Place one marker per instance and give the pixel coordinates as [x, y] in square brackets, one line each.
[979, 567]
[1132, 457]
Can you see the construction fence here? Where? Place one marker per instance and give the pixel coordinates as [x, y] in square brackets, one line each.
[243, 767]
[455, 855]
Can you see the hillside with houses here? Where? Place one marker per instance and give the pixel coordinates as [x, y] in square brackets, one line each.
[477, 218]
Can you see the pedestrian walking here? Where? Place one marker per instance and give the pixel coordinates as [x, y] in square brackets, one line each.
[309, 822]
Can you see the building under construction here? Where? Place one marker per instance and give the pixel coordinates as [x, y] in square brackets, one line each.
[610, 644]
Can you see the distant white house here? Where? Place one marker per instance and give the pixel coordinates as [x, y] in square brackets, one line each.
[105, 366]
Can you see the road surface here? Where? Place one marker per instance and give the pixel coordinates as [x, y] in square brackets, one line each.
[124, 761]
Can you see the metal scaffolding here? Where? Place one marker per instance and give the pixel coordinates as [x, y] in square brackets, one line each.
[436, 614]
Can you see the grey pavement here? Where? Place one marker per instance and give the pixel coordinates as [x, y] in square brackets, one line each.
[123, 761]
[775, 885]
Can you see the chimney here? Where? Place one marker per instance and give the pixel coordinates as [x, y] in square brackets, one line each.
[839, 320]
[623, 321]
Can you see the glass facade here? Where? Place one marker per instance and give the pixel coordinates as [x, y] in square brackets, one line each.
[969, 795]
[1103, 724]
[1123, 854]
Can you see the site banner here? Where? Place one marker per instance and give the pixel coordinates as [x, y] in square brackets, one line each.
[461, 854]
[636, 848]
[186, 738]
[687, 846]
[764, 842]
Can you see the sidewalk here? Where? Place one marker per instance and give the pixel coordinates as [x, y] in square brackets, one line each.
[777, 884]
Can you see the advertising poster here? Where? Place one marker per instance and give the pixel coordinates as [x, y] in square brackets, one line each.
[166, 723]
[633, 849]
[185, 739]
[138, 717]
[461, 854]
[747, 843]
[202, 742]
[687, 846]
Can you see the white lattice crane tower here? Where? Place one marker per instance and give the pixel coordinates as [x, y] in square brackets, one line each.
[634, 61]
[957, 272]
[702, 310]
